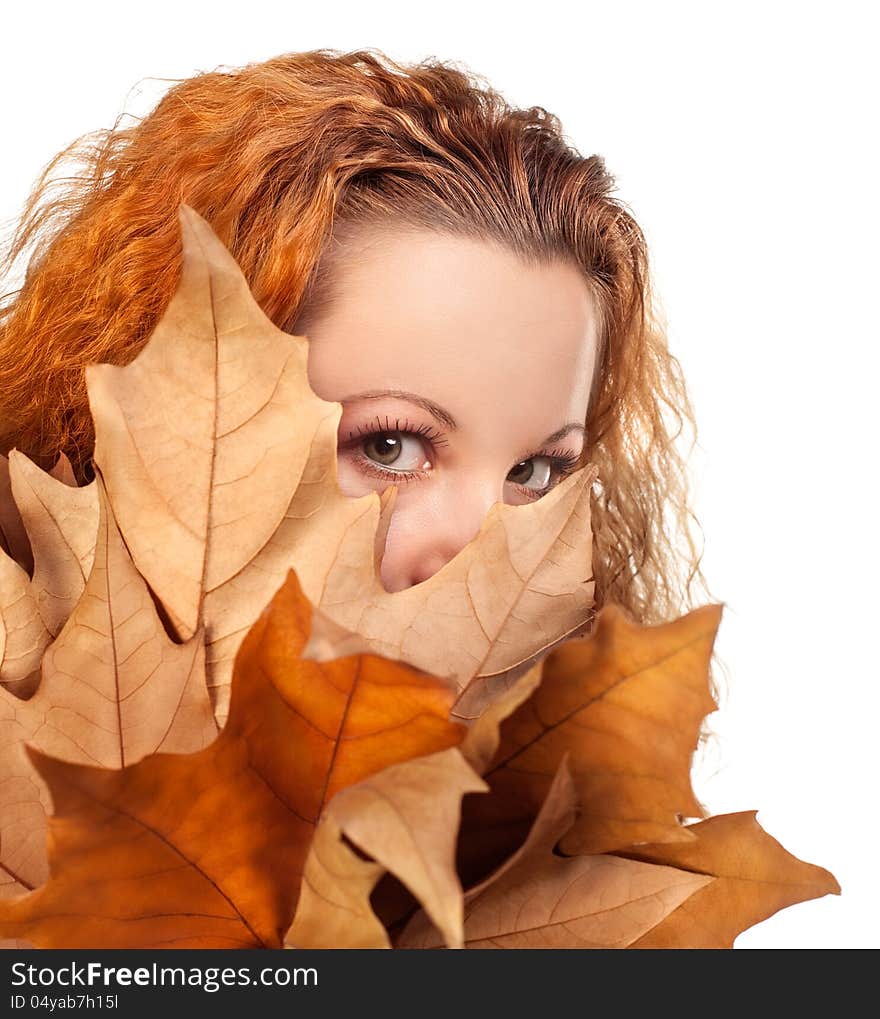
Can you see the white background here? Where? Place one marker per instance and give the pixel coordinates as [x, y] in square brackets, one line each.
[743, 138]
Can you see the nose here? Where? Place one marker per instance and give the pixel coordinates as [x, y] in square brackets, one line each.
[430, 527]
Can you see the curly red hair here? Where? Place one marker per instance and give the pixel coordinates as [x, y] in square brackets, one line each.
[281, 157]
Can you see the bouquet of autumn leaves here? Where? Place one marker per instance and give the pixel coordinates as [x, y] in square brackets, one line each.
[218, 729]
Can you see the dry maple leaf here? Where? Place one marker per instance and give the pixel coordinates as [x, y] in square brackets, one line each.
[14, 540]
[538, 899]
[215, 841]
[220, 462]
[50, 528]
[754, 875]
[114, 688]
[406, 818]
[626, 703]
[333, 909]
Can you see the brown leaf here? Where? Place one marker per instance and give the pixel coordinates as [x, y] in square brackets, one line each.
[114, 688]
[755, 877]
[540, 900]
[215, 841]
[221, 467]
[61, 523]
[626, 703]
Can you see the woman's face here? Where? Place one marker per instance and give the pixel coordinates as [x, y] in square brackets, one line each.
[464, 375]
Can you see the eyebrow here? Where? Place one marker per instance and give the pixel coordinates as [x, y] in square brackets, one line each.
[441, 414]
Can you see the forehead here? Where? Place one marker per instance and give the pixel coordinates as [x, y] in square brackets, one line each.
[443, 314]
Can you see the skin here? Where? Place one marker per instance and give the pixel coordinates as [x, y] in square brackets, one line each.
[505, 348]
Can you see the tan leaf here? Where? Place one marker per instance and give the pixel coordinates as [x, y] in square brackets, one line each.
[114, 688]
[13, 536]
[540, 900]
[393, 901]
[63, 471]
[23, 634]
[61, 523]
[221, 467]
[203, 440]
[523, 584]
[754, 875]
[406, 817]
[484, 734]
[334, 909]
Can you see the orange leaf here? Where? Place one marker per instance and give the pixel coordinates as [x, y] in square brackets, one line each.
[755, 877]
[207, 849]
[626, 703]
[540, 900]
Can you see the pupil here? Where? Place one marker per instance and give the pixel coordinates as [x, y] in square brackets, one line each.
[517, 470]
[386, 447]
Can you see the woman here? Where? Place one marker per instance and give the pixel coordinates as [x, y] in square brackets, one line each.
[473, 294]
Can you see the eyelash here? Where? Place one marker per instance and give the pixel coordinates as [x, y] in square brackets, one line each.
[561, 463]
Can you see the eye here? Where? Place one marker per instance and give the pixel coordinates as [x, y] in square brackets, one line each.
[537, 475]
[392, 450]
[400, 451]
[533, 473]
